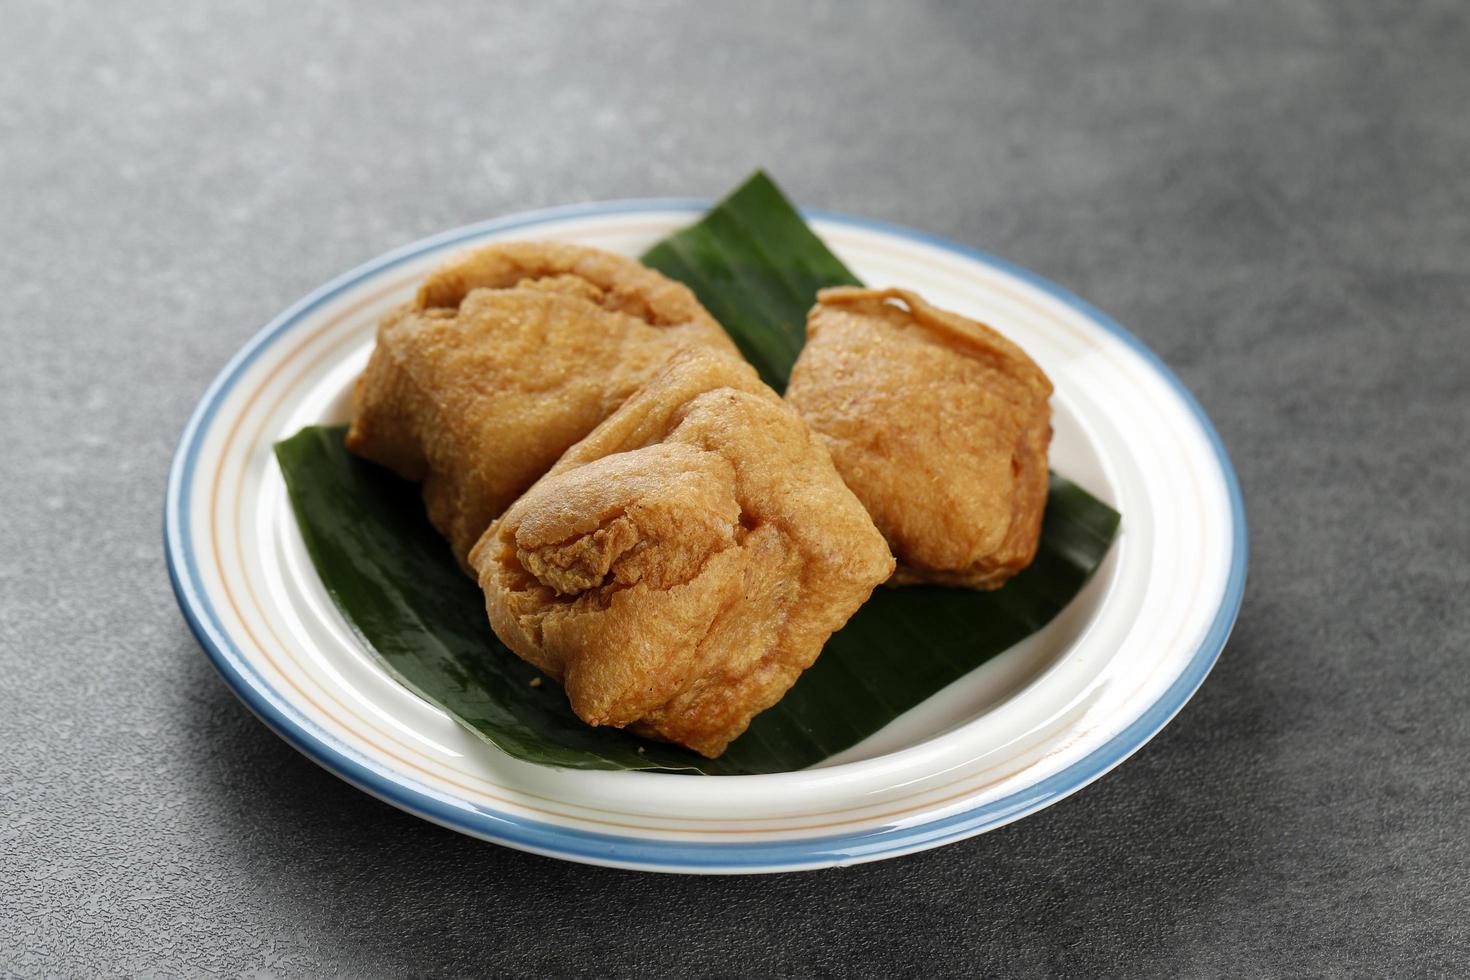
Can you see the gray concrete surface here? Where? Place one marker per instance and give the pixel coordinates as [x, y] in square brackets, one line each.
[1275, 197]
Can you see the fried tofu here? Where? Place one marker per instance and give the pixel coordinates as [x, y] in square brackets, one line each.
[681, 566]
[508, 355]
[939, 425]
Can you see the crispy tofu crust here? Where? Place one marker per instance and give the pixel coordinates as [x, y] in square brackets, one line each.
[681, 566]
[938, 423]
[508, 355]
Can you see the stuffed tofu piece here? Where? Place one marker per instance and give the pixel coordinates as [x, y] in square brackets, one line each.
[508, 355]
[681, 566]
[938, 423]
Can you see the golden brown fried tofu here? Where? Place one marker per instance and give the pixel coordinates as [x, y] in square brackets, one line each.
[508, 355]
[940, 426]
[681, 566]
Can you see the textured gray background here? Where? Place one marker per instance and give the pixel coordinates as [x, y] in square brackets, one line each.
[1275, 198]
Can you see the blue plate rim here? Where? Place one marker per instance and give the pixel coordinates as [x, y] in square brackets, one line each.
[661, 854]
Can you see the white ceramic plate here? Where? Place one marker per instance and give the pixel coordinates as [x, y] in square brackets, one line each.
[1035, 724]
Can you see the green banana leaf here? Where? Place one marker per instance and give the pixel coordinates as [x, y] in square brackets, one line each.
[756, 265]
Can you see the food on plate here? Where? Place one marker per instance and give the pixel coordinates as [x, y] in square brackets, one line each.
[681, 565]
[508, 355]
[651, 524]
[673, 567]
[938, 423]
